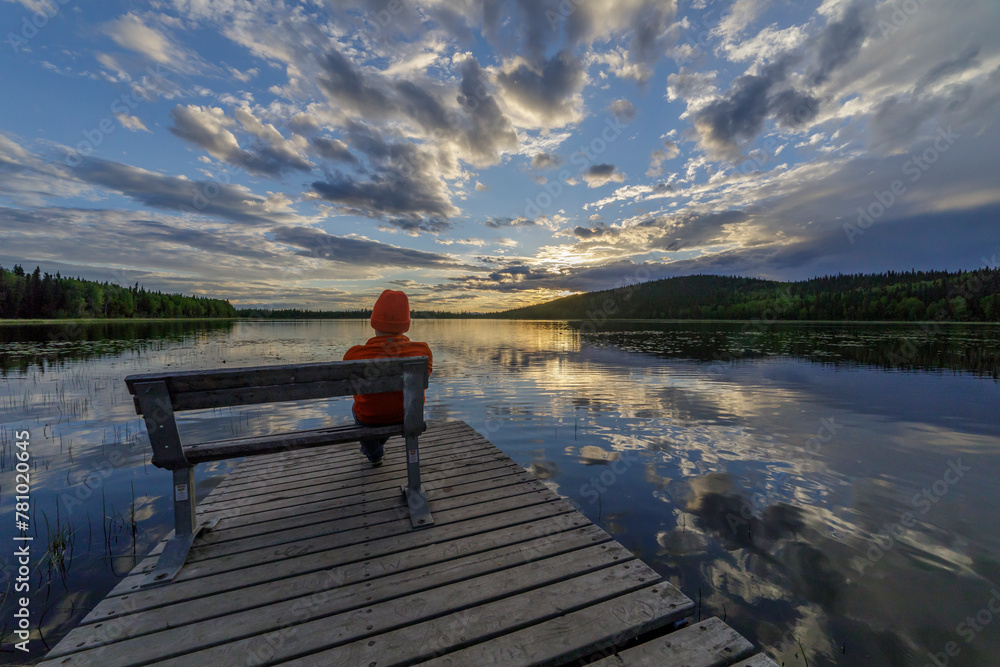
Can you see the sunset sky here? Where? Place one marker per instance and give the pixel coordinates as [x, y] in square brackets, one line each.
[486, 155]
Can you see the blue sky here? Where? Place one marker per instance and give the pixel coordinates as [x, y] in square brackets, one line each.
[486, 155]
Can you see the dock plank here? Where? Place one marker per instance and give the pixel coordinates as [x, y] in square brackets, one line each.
[314, 562]
[759, 660]
[709, 643]
[257, 609]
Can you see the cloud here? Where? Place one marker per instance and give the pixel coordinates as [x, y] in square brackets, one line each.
[741, 15]
[133, 123]
[486, 130]
[768, 45]
[521, 221]
[333, 149]
[696, 88]
[669, 151]
[207, 127]
[623, 110]
[358, 251]
[840, 41]
[602, 174]
[546, 94]
[131, 33]
[947, 67]
[203, 198]
[545, 161]
[403, 186]
[481, 188]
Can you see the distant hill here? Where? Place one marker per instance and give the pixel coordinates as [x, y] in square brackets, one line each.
[44, 296]
[965, 296]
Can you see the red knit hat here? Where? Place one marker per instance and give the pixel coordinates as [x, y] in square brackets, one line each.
[391, 313]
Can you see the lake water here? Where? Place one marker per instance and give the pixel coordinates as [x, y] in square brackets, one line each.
[832, 490]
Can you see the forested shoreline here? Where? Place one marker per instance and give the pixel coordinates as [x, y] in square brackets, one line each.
[962, 296]
[43, 296]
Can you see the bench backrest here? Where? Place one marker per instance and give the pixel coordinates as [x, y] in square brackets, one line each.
[197, 390]
[158, 396]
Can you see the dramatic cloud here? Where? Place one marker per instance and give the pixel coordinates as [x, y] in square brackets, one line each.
[357, 251]
[207, 127]
[203, 198]
[405, 189]
[544, 94]
[333, 149]
[237, 138]
[840, 41]
[602, 174]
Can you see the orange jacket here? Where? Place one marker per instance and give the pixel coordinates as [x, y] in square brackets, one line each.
[385, 407]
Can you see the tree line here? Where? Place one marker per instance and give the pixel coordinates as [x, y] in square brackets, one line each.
[360, 314]
[962, 296]
[45, 296]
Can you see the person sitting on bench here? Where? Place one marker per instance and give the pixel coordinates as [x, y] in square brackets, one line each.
[390, 319]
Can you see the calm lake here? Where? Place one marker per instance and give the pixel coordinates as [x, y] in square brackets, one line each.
[830, 489]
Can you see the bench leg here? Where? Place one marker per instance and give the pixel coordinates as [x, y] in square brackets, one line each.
[186, 528]
[416, 498]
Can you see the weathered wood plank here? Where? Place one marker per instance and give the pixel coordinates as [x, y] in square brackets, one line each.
[231, 449]
[274, 600]
[288, 374]
[347, 484]
[294, 460]
[373, 492]
[457, 463]
[358, 506]
[322, 568]
[271, 463]
[710, 643]
[357, 468]
[360, 562]
[580, 633]
[518, 592]
[257, 509]
[502, 513]
[471, 625]
[328, 524]
[759, 660]
[279, 393]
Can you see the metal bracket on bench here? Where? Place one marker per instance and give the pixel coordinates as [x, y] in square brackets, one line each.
[173, 556]
[420, 512]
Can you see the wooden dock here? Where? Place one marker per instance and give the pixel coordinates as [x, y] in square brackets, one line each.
[314, 562]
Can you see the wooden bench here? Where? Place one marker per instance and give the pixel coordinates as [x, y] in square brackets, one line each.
[158, 396]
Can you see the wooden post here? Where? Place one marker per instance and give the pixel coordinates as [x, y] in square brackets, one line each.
[158, 413]
[414, 375]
